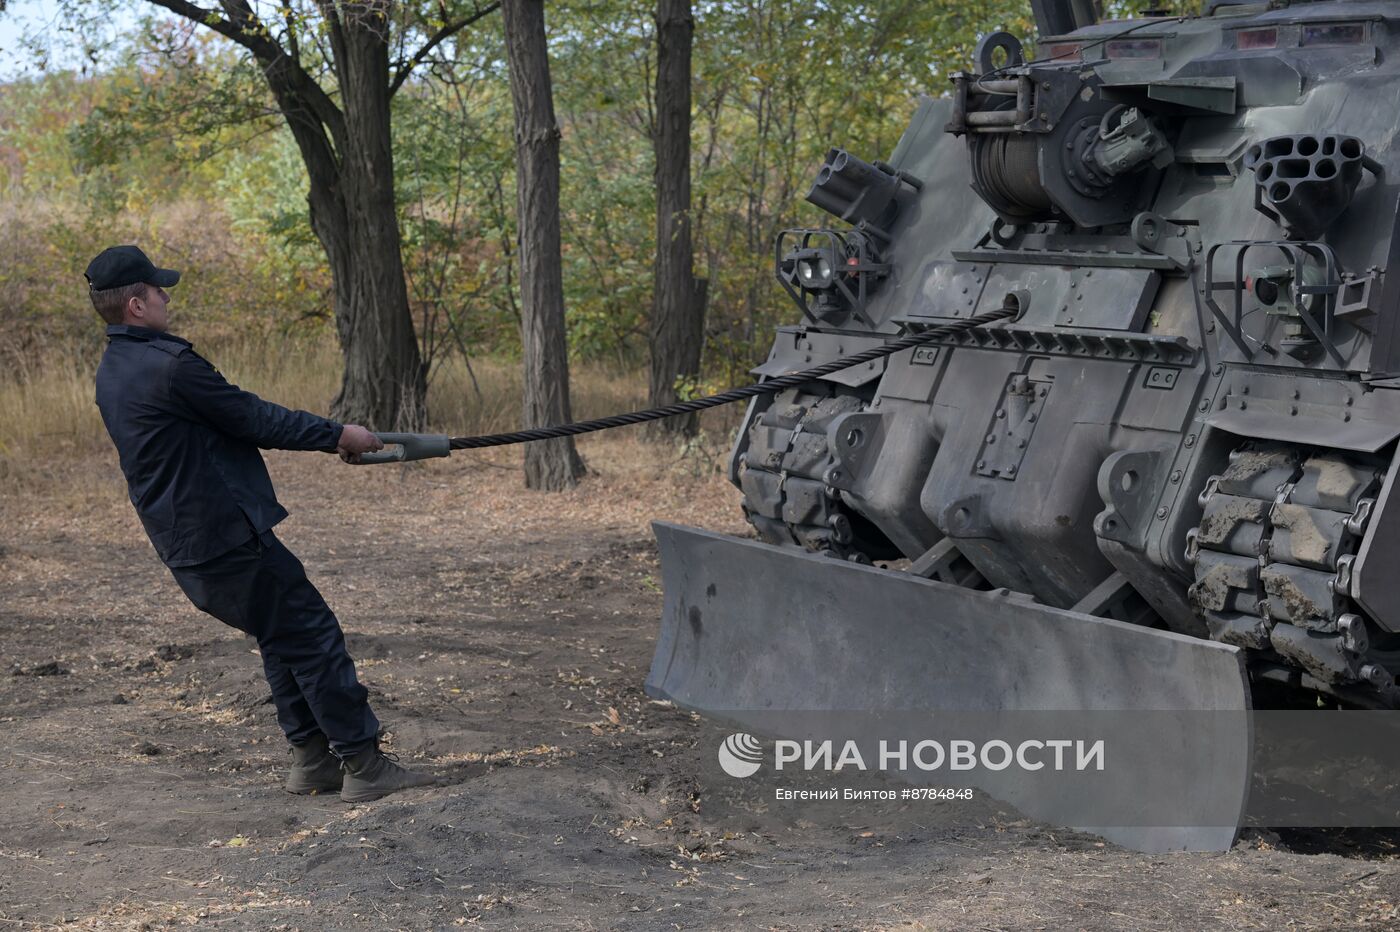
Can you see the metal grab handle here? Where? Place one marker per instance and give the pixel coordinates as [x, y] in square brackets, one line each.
[402, 448]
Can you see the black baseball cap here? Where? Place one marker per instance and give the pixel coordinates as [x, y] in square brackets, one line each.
[116, 266]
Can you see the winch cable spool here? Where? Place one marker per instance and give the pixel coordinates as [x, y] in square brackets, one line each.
[426, 446]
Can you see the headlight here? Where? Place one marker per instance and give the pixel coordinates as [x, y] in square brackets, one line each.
[814, 272]
[829, 275]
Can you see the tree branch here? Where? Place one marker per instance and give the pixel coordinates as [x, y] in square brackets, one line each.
[264, 48]
[292, 46]
[446, 32]
[284, 72]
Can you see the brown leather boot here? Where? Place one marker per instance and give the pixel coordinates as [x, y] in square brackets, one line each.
[314, 768]
[372, 773]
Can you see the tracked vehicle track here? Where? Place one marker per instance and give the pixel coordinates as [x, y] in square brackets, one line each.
[785, 497]
[1273, 556]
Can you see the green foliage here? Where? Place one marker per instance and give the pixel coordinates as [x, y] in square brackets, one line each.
[263, 194]
[168, 151]
[778, 83]
[178, 144]
[454, 162]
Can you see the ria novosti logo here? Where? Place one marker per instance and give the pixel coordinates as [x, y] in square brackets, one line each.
[740, 755]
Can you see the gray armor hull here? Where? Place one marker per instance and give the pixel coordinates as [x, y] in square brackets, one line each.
[1169, 475]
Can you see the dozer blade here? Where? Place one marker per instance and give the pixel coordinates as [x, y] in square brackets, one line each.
[780, 641]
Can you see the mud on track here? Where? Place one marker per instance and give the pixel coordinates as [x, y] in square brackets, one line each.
[504, 637]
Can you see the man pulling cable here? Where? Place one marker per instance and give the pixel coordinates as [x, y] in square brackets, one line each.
[189, 444]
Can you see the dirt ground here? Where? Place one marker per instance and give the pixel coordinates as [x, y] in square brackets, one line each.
[504, 637]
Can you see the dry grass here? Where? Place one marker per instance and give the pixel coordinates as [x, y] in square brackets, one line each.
[53, 444]
[47, 408]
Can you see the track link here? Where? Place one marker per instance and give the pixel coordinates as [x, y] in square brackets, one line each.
[785, 497]
[1273, 555]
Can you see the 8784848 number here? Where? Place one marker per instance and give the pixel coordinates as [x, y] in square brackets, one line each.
[936, 792]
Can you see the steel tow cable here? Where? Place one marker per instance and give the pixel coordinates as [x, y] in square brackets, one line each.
[423, 446]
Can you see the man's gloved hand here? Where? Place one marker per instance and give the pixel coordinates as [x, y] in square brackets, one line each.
[355, 440]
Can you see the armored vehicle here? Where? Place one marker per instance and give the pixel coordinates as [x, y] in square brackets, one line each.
[1165, 480]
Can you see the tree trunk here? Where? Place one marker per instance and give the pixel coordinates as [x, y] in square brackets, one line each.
[346, 148]
[384, 385]
[678, 301]
[350, 171]
[549, 464]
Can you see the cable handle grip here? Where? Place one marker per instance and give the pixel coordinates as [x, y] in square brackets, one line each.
[403, 448]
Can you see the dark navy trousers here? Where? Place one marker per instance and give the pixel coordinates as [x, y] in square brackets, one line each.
[260, 588]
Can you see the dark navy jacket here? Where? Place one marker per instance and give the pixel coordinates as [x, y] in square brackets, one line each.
[188, 443]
